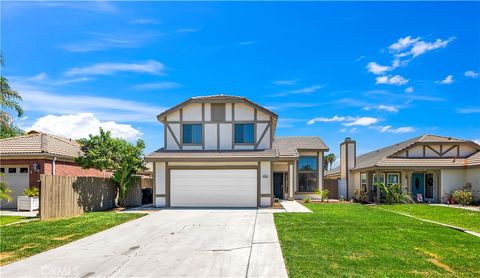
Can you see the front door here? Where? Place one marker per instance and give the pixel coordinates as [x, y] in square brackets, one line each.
[418, 185]
[278, 185]
[429, 187]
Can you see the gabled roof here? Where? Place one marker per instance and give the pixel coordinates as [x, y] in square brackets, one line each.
[221, 97]
[283, 147]
[382, 157]
[38, 143]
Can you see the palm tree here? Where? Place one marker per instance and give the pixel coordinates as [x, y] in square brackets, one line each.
[330, 159]
[8, 98]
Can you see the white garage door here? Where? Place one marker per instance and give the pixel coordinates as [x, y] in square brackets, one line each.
[213, 188]
[17, 180]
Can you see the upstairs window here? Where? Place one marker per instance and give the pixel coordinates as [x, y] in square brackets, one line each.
[218, 112]
[192, 134]
[307, 163]
[244, 134]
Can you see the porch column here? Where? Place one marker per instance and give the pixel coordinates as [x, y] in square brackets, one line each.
[369, 185]
[408, 176]
[437, 183]
[378, 188]
[290, 181]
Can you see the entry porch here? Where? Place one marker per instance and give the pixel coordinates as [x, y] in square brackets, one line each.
[424, 185]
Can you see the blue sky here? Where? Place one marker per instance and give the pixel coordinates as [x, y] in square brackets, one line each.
[377, 72]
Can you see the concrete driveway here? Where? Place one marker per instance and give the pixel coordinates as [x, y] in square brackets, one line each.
[168, 243]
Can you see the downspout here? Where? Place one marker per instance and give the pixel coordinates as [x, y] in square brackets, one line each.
[53, 165]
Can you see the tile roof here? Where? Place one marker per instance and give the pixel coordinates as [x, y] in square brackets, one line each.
[283, 147]
[288, 145]
[39, 143]
[381, 157]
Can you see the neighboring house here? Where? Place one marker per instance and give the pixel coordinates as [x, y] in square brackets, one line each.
[220, 151]
[430, 165]
[24, 158]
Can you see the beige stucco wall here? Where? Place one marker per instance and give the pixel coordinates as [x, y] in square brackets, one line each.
[472, 176]
[159, 184]
[451, 179]
[280, 166]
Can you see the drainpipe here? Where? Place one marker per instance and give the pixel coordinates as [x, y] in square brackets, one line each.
[53, 165]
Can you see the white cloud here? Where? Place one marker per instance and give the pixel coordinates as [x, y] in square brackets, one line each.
[392, 80]
[285, 82]
[306, 90]
[42, 79]
[326, 120]
[388, 128]
[471, 74]
[476, 141]
[150, 66]
[409, 90]
[468, 110]
[375, 68]
[447, 81]
[382, 107]
[35, 98]
[362, 121]
[422, 47]
[158, 86]
[346, 120]
[403, 43]
[100, 41]
[414, 47]
[80, 125]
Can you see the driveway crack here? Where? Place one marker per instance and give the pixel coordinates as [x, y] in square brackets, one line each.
[251, 244]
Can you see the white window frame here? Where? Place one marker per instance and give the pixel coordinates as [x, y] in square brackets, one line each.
[363, 181]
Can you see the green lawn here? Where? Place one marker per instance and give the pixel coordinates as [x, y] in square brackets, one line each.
[26, 239]
[345, 240]
[462, 218]
[4, 220]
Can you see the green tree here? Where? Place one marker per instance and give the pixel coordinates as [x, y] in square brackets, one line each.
[9, 99]
[5, 191]
[328, 160]
[105, 153]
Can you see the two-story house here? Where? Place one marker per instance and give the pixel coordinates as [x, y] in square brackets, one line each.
[221, 151]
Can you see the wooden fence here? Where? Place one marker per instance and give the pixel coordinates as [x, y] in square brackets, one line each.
[332, 186]
[66, 196]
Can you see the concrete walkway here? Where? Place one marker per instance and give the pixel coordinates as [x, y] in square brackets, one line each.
[472, 208]
[293, 206]
[168, 243]
[14, 212]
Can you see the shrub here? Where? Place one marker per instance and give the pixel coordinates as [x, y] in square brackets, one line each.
[323, 194]
[307, 200]
[31, 192]
[463, 197]
[5, 192]
[360, 196]
[394, 193]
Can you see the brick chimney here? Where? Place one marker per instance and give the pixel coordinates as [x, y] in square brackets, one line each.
[348, 158]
